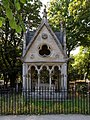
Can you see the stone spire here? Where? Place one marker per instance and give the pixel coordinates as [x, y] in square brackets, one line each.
[45, 12]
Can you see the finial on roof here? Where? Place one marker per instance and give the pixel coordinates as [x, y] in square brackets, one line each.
[44, 12]
[61, 25]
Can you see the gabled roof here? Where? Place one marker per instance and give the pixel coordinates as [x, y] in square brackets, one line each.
[31, 35]
[60, 37]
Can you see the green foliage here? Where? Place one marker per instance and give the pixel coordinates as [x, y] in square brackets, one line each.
[81, 63]
[8, 6]
[75, 15]
[80, 10]
[23, 1]
[82, 88]
[0, 23]
[44, 76]
[72, 72]
[14, 11]
[17, 5]
[9, 13]
[15, 16]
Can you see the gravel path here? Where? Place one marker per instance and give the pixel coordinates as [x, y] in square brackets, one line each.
[46, 117]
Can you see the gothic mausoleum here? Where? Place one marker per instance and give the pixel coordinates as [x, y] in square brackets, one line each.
[44, 58]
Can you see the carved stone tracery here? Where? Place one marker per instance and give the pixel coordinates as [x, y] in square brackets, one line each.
[45, 75]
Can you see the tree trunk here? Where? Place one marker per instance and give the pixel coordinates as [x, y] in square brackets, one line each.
[12, 80]
[5, 80]
[68, 77]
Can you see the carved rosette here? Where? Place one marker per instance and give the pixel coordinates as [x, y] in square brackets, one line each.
[44, 36]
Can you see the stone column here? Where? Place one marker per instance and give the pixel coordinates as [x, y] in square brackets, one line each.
[24, 76]
[38, 79]
[62, 81]
[50, 79]
[65, 79]
[65, 75]
[29, 83]
[59, 80]
[62, 76]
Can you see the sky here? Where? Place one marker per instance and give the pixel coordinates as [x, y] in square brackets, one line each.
[74, 52]
[45, 1]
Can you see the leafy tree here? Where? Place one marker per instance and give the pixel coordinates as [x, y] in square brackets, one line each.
[72, 71]
[14, 11]
[9, 7]
[82, 63]
[80, 10]
[17, 15]
[75, 15]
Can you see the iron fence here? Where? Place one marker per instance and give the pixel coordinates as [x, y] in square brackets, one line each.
[44, 101]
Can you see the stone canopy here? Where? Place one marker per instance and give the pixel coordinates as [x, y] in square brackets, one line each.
[44, 58]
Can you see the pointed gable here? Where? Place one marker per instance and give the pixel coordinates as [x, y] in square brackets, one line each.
[44, 38]
[31, 36]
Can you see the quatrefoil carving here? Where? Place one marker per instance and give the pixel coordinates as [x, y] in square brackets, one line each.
[44, 51]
